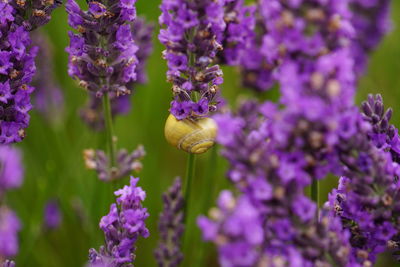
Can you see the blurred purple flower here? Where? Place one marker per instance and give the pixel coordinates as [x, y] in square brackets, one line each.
[282, 36]
[240, 24]
[371, 18]
[11, 169]
[9, 228]
[49, 99]
[52, 214]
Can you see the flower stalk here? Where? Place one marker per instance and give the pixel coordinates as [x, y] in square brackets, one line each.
[109, 129]
[190, 169]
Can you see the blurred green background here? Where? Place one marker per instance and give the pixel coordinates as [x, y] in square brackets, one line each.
[54, 166]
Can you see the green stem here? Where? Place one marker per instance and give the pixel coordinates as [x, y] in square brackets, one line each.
[186, 236]
[210, 185]
[109, 128]
[189, 176]
[315, 193]
[190, 166]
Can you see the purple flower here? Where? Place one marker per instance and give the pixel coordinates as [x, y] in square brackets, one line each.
[201, 107]
[192, 35]
[181, 110]
[5, 92]
[52, 215]
[11, 170]
[5, 62]
[124, 224]
[9, 228]
[177, 61]
[6, 13]
[171, 227]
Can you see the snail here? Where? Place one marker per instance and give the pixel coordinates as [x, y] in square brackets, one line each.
[191, 135]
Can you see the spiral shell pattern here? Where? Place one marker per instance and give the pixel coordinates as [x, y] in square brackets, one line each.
[191, 135]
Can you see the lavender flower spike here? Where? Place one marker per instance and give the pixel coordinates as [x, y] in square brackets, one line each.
[17, 63]
[16, 72]
[124, 224]
[171, 227]
[92, 113]
[102, 56]
[192, 36]
[126, 163]
[367, 197]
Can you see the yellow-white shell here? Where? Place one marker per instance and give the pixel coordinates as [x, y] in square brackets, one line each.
[193, 136]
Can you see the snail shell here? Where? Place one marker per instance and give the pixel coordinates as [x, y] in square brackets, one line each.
[193, 136]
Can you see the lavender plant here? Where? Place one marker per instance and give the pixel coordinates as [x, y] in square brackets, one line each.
[92, 113]
[171, 227]
[124, 224]
[102, 57]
